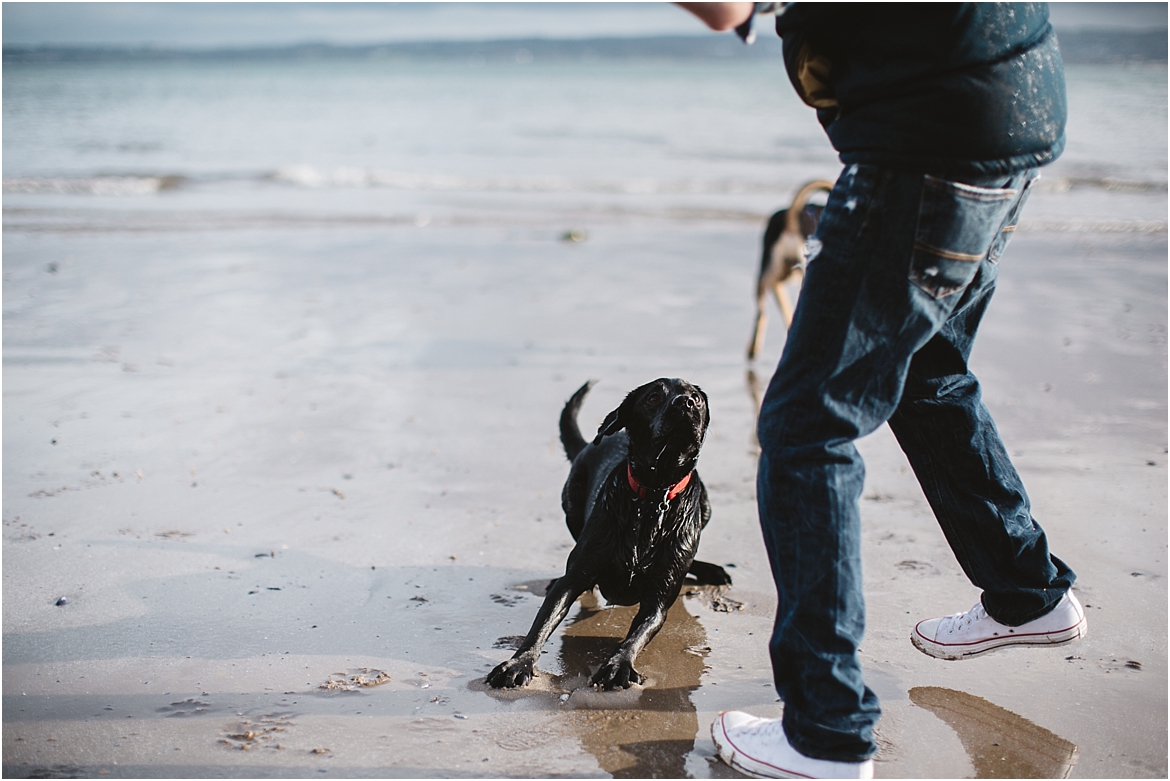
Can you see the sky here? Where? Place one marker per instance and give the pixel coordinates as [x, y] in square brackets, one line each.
[212, 25]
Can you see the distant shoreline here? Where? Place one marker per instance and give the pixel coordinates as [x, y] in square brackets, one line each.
[1077, 47]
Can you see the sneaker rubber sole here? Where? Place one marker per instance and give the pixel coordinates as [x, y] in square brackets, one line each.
[728, 752]
[957, 651]
[782, 760]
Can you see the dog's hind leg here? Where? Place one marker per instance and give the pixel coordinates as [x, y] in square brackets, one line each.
[766, 279]
[786, 307]
[757, 342]
[708, 574]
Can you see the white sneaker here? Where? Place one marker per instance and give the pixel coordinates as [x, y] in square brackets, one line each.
[964, 635]
[760, 749]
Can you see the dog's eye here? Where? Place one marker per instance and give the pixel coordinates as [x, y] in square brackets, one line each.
[653, 398]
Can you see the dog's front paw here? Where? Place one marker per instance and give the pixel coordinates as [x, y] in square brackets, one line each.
[511, 674]
[617, 673]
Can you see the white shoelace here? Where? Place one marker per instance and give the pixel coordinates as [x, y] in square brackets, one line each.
[961, 620]
[768, 728]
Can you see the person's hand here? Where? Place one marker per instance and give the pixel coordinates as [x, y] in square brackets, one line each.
[720, 16]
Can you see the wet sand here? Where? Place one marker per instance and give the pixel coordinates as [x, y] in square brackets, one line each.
[257, 459]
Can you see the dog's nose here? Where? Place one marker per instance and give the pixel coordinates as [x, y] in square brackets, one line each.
[683, 401]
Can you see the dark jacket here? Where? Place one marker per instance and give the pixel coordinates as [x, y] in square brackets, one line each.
[961, 88]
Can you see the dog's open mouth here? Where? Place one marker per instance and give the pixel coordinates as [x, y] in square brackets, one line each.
[680, 438]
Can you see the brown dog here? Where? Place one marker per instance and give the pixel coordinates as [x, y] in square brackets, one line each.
[783, 257]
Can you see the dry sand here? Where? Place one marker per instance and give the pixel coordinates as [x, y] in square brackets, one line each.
[248, 469]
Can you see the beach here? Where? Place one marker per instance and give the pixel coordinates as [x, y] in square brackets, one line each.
[281, 467]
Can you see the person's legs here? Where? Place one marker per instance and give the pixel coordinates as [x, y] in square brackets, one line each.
[978, 498]
[895, 252]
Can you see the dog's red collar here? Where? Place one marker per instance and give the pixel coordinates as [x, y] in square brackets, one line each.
[641, 490]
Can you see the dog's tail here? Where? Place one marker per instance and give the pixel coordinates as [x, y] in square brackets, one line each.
[792, 219]
[570, 433]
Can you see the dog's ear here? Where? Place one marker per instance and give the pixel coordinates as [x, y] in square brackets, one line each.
[614, 421]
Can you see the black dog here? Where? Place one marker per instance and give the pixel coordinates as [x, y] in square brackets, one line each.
[635, 505]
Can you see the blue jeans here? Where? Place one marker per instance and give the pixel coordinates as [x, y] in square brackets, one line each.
[901, 271]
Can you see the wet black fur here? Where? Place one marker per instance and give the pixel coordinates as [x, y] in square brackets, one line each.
[628, 547]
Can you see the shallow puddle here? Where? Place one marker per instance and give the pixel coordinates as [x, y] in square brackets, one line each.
[999, 743]
[645, 731]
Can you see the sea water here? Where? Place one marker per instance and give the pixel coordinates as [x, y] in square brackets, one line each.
[465, 140]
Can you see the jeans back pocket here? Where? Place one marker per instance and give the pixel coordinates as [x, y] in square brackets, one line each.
[957, 226]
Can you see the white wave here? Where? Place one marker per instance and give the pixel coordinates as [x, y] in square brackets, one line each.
[94, 185]
[1046, 225]
[315, 177]
[311, 176]
[1062, 184]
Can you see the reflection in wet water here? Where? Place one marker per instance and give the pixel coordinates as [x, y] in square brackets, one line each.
[999, 743]
[647, 731]
[755, 388]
